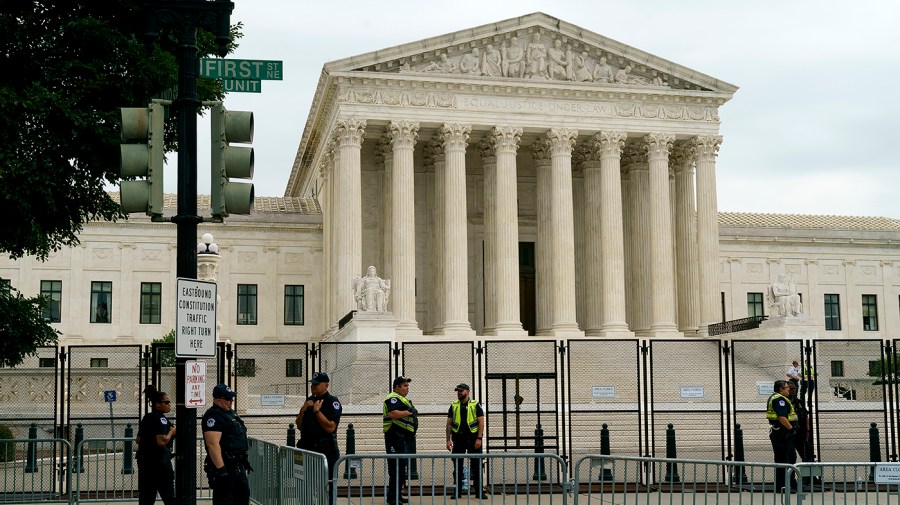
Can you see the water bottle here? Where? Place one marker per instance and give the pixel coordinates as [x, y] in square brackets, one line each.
[859, 484]
[465, 481]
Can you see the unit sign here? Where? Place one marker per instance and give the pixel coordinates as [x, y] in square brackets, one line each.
[195, 319]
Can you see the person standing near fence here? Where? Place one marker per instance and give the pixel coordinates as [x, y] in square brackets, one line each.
[793, 373]
[318, 421]
[782, 422]
[154, 455]
[465, 434]
[807, 382]
[801, 441]
[226, 442]
[400, 422]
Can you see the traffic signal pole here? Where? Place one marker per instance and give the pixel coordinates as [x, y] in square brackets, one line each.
[186, 16]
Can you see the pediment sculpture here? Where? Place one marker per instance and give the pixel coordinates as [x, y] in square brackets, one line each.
[784, 298]
[535, 59]
[372, 293]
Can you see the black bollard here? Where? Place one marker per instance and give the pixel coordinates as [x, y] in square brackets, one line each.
[739, 475]
[31, 461]
[127, 453]
[78, 464]
[540, 474]
[671, 453]
[606, 473]
[291, 436]
[349, 469]
[874, 449]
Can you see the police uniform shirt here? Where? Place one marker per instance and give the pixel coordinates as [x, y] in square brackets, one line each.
[153, 424]
[394, 403]
[311, 431]
[782, 408]
[234, 433]
[464, 432]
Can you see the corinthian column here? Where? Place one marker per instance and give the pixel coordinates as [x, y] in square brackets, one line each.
[434, 155]
[325, 200]
[403, 258]
[541, 152]
[385, 152]
[686, 241]
[661, 249]
[348, 137]
[635, 158]
[591, 312]
[456, 276]
[562, 233]
[502, 241]
[706, 149]
[612, 236]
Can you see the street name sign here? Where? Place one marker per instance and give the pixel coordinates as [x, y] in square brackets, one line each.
[241, 86]
[218, 68]
[194, 384]
[195, 319]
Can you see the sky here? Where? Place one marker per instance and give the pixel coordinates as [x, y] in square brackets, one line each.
[812, 128]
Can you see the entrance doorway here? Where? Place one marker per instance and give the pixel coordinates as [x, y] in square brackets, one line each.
[527, 300]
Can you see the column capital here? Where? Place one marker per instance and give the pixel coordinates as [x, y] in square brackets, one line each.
[455, 136]
[326, 162]
[562, 140]
[403, 134]
[486, 150]
[681, 158]
[706, 147]
[541, 150]
[349, 131]
[657, 145]
[505, 139]
[633, 153]
[433, 151]
[610, 143]
[384, 151]
[586, 156]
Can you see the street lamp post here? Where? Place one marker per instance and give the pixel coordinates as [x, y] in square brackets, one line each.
[186, 16]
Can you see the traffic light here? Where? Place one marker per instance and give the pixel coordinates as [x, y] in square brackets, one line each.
[227, 161]
[142, 159]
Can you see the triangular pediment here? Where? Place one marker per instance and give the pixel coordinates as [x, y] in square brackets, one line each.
[532, 47]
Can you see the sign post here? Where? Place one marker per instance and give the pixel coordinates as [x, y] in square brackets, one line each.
[110, 397]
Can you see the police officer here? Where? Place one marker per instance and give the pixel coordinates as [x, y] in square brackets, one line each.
[803, 425]
[782, 430]
[154, 456]
[318, 421]
[226, 450]
[465, 433]
[400, 422]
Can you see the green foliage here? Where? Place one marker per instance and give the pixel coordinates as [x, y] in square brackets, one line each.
[167, 353]
[885, 369]
[7, 450]
[22, 327]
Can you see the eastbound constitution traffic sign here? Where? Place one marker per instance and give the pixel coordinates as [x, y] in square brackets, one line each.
[195, 319]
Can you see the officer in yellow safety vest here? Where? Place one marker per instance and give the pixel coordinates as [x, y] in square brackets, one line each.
[807, 383]
[400, 422]
[465, 434]
[782, 430]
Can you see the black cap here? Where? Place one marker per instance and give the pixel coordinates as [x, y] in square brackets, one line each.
[223, 391]
[319, 377]
[462, 387]
[401, 380]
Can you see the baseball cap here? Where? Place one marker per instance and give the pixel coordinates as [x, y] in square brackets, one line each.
[462, 387]
[223, 391]
[401, 380]
[319, 377]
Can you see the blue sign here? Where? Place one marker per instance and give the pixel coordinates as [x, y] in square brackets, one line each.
[109, 396]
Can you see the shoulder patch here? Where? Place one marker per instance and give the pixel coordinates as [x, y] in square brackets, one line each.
[163, 420]
[393, 400]
[211, 422]
[336, 405]
[781, 402]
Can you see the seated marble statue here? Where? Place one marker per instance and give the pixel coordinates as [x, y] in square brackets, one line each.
[603, 72]
[624, 76]
[470, 63]
[785, 298]
[445, 66]
[371, 292]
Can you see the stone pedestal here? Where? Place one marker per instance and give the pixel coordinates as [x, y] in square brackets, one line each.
[784, 328]
[367, 327]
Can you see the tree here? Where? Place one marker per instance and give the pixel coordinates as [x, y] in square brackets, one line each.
[22, 327]
[885, 369]
[69, 65]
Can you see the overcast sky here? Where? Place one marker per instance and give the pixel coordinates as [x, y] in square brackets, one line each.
[812, 129]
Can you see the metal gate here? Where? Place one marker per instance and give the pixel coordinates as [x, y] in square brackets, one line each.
[93, 370]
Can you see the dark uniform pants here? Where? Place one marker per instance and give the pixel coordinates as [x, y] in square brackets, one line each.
[328, 447]
[785, 452]
[156, 477]
[397, 442]
[463, 446]
[234, 489]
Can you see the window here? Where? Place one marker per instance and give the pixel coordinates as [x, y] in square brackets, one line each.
[722, 303]
[245, 368]
[52, 290]
[754, 304]
[99, 362]
[293, 368]
[874, 368]
[101, 302]
[832, 312]
[837, 368]
[46, 363]
[246, 302]
[870, 312]
[293, 305]
[151, 300]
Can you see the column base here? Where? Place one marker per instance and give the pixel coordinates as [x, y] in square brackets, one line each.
[457, 329]
[663, 331]
[408, 329]
[506, 330]
[566, 330]
[616, 334]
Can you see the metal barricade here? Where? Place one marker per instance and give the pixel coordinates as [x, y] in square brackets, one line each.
[621, 479]
[34, 470]
[285, 475]
[521, 477]
[845, 483]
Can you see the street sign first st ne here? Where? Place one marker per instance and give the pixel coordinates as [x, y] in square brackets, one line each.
[195, 318]
[218, 68]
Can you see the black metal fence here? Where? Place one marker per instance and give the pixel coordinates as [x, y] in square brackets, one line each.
[555, 396]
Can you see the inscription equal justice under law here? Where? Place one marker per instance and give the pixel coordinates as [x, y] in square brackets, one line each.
[526, 105]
